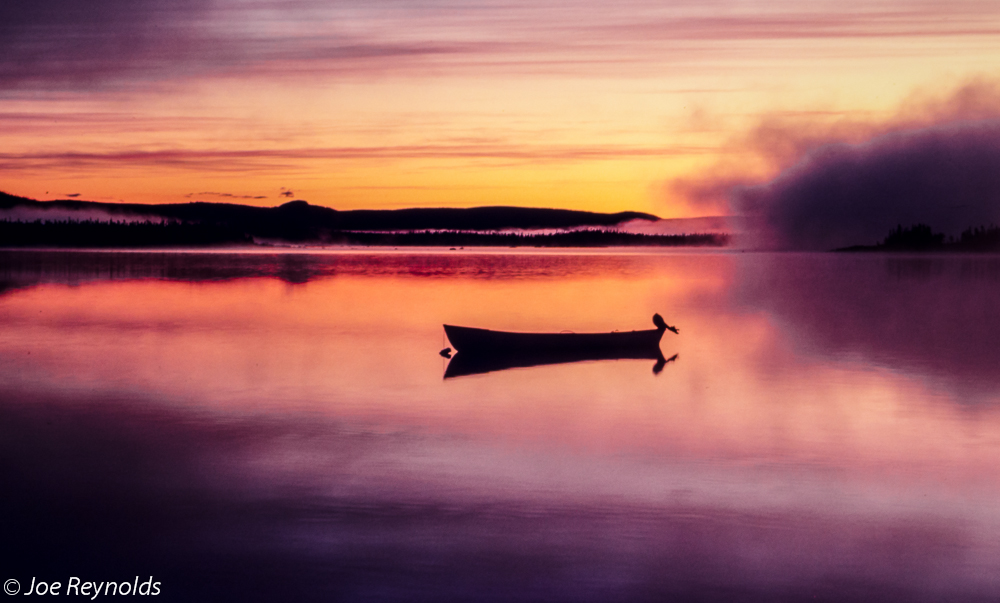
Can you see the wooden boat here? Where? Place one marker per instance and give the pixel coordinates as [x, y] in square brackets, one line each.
[468, 340]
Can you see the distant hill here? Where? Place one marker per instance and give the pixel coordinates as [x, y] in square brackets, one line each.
[300, 221]
[85, 224]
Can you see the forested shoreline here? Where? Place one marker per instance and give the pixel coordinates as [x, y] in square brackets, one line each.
[146, 234]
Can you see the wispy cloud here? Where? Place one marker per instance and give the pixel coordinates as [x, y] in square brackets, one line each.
[49, 42]
[225, 195]
[253, 160]
[53, 43]
[65, 119]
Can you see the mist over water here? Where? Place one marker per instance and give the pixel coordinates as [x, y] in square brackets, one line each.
[840, 195]
[271, 426]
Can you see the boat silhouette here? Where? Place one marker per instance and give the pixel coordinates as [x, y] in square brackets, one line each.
[484, 350]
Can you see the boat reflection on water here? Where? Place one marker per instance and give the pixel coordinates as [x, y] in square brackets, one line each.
[475, 363]
[483, 350]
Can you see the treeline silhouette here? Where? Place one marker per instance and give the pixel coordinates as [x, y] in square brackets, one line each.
[982, 238]
[116, 234]
[95, 233]
[921, 237]
[918, 237]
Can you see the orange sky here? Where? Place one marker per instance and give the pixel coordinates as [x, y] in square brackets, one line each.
[570, 104]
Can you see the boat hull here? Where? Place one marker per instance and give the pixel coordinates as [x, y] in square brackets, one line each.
[468, 340]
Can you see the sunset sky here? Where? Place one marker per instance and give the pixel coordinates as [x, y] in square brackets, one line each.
[640, 105]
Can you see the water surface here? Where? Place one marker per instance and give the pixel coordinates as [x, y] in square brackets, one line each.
[276, 425]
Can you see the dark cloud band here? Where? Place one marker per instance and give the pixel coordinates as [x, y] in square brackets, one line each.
[46, 42]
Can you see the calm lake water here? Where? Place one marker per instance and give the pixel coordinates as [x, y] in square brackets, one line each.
[276, 426]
